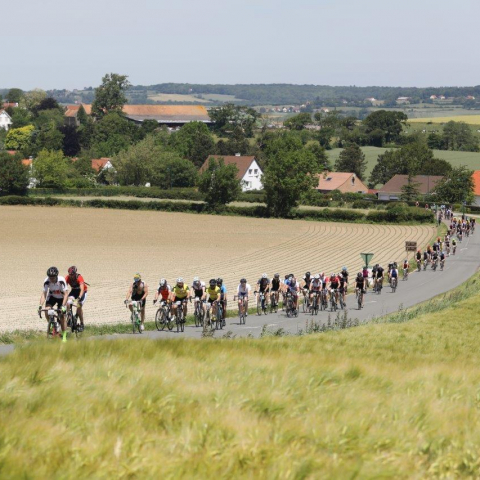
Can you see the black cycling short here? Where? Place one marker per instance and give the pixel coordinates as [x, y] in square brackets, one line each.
[75, 293]
[54, 302]
[138, 298]
[176, 299]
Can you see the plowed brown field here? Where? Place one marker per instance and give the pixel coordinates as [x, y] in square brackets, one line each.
[109, 247]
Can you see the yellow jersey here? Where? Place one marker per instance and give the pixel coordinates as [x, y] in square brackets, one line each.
[180, 292]
[213, 292]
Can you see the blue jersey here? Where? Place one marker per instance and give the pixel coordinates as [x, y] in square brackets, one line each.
[223, 290]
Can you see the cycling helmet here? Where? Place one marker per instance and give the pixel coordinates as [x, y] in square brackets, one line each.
[196, 279]
[243, 280]
[377, 265]
[307, 274]
[359, 274]
[406, 260]
[163, 282]
[52, 272]
[317, 277]
[333, 274]
[213, 282]
[277, 275]
[72, 271]
[179, 280]
[344, 269]
[264, 275]
[219, 280]
[137, 277]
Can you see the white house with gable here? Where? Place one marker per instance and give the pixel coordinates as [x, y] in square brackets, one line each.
[249, 171]
[5, 120]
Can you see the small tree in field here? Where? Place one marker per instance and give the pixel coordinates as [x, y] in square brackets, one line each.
[219, 183]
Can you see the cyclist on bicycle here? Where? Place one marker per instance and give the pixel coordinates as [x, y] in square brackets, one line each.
[223, 297]
[406, 267]
[213, 293]
[342, 285]
[434, 258]
[344, 274]
[243, 291]
[198, 292]
[164, 290]
[275, 288]
[393, 274]
[360, 284]
[307, 280]
[334, 283]
[315, 288]
[180, 293]
[263, 286]
[418, 258]
[454, 246]
[378, 276]
[293, 288]
[78, 292]
[442, 259]
[55, 294]
[138, 292]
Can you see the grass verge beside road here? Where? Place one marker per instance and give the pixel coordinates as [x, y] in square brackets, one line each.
[391, 399]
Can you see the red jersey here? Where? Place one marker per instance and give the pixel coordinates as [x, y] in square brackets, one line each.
[76, 282]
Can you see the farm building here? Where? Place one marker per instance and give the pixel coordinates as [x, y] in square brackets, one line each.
[5, 120]
[249, 171]
[342, 181]
[173, 116]
[476, 188]
[392, 190]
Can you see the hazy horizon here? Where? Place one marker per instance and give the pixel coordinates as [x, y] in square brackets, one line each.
[313, 42]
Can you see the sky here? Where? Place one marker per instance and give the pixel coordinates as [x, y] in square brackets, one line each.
[72, 43]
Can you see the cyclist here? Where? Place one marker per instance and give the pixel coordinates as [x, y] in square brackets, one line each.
[275, 288]
[406, 267]
[378, 279]
[164, 290]
[138, 292]
[307, 280]
[442, 260]
[213, 294]
[198, 292]
[393, 274]
[223, 297]
[293, 288]
[343, 284]
[360, 285]
[243, 290]
[55, 294]
[263, 286]
[315, 288]
[78, 292]
[344, 274]
[324, 290]
[454, 246]
[180, 293]
[447, 244]
[334, 283]
[434, 259]
[418, 257]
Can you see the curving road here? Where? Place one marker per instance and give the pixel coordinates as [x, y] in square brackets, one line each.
[418, 288]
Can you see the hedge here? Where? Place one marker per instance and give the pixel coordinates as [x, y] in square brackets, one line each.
[394, 215]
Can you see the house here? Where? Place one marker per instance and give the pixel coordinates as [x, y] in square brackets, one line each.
[10, 104]
[249, 171]
[433, 97]
[403, 100]
[343, 181]
[5, 120]
[442, 97]
[392, 190]
[173, 116]
[100, 164]
[470, 97]
[476, 188]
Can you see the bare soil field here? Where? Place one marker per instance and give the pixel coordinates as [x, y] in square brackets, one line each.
[110, 246]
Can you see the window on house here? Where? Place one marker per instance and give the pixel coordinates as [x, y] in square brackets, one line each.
[329, 178]
[255, 171]
[250, 171]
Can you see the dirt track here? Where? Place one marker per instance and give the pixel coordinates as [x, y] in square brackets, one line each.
[109, 246]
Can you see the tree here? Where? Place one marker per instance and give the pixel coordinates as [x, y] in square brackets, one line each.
[49, 138]
[298, 122]
[50, 168]
[456, 187]
[19, 138]
[13, 175]
[320, 154]
[110, 95]
[14, 95]
[71, 140]
[82, 116]
[390, 123]
[21, 118]
[194, 141]
[48, 103]
[459, 136]
[219, 183]
[173, 171]
[32, 99]
[290, 171]
[352, 159]
[435, 141]
[229, 116]
[411, 190]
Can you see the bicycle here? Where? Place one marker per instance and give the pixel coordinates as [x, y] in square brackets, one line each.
[219, 316]
[261, 303]
[442, 264]
[291, 309]
[199, 312]
[162, 317]
[419, 265]
[306, 301]
[273, 302]
[435, 264]
[73, 320]
[393, 284]
[53, 327]
[341, 292]
[135, 316]
[180, 316]
[378, 285]
[314, 305]
[242, 311]
[323, 299]
[333, 301]
[405, 274]
[360, 298]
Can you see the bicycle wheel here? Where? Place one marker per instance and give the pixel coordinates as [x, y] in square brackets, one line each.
[133, 320]
[159, 320]
[70, 321]
[78, 333]
[259, 307]
[360, 298]
[138, 322]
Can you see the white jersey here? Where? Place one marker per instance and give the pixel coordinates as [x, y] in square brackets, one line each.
[196, 287]
[244, 289]
[55, 289]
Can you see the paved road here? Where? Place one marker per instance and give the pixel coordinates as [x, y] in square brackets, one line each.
[418, 288]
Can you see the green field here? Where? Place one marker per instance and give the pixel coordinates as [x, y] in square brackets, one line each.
[470, 159]
[389, 400]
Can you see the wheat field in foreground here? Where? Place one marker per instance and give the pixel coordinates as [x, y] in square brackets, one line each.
[384, 400]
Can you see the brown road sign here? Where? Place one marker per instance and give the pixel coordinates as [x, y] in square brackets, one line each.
[410, 246]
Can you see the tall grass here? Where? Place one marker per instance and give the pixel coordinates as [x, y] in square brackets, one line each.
[397, 400]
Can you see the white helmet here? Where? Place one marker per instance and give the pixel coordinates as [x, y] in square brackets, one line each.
[264, 275]
[179, 280]
[196, 279]
[317, 277]
[163, 282]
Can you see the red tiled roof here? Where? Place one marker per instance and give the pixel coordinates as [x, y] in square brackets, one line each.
[12, 152]
[426, 183]
[99, 163]
[9, 104]
[242, 163]
[476, 181]
[332, 180]
[27, 162]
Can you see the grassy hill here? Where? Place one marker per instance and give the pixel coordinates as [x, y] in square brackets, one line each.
[397, 400]
[470, 159]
